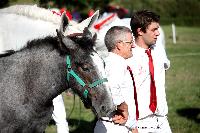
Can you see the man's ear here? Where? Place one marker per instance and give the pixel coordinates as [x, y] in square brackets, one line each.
[139, 31]
[119, 45]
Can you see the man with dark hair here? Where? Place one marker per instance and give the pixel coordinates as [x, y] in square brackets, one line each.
[148, 70]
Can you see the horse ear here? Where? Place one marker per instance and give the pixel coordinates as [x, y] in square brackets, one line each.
[66, 44]
[78, 28]
[88, 34]
[64, 23]
[89, 22]
[94, 38]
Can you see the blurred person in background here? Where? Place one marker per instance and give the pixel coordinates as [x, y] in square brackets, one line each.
[59, 115]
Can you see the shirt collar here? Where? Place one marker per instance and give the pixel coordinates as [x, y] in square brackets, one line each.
[143, 49]
[116, 56]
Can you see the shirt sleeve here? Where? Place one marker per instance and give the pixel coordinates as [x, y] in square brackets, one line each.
[131, 122]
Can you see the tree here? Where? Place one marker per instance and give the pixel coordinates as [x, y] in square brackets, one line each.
[4, 3]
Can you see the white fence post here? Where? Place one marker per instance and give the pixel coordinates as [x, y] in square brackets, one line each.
[174, 33]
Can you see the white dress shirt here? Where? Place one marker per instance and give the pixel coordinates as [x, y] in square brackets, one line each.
[140, 67]
[121, 85]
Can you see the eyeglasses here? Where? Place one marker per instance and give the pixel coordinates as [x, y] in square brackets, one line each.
[131, 42]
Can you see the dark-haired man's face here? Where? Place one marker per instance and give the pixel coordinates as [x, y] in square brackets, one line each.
[151, 34]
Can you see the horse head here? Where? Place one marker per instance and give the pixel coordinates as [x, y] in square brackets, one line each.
[85, 69]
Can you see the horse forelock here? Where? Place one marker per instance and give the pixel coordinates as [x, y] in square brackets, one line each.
[85, 43]
[83, 50]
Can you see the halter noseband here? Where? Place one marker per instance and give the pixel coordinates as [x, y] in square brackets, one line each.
[79, 80]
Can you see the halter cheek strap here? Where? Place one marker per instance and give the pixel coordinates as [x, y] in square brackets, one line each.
[79, 80]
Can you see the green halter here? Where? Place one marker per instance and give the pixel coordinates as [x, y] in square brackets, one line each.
[79, 80]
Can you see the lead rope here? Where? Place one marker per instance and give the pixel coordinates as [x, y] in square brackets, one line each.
[82, 83]
[79, 120]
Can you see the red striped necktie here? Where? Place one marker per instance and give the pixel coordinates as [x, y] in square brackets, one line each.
[135, 93]
[153, 98]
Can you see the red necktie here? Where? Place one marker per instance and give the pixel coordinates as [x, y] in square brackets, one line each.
[153, 99]
[135, 93]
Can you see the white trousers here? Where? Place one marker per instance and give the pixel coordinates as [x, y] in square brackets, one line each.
[59, 115]
[154, 124]
[109, 127]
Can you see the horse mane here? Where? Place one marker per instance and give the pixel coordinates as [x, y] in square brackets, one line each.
[40, 42]
[34, 12]
[84, 42]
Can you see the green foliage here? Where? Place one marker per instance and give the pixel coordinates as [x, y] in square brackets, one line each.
[180, 12]
[3, 3]
[83, 6]
[183, 79]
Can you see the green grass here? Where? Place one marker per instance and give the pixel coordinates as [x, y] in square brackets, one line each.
[13, 2]
[80, 119]
[182, 87]
[183, 80]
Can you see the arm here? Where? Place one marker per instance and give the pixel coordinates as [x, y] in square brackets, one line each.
[115, 73]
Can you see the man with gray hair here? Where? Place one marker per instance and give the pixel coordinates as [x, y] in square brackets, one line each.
[119, 42]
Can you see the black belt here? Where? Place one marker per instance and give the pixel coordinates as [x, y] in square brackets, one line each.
[158, 127]
[106, 120]
[150, 116]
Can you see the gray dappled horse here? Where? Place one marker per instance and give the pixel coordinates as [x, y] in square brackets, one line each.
[33, 76]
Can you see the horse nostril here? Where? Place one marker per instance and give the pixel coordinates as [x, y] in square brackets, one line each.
[103, 108]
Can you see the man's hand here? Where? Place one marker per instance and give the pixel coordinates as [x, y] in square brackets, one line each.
[135, 130]
[121, 115]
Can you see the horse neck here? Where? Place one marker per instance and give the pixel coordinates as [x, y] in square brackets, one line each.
[46, 70]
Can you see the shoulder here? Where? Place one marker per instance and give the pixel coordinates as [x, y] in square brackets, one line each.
[114, 58]
[114, 61]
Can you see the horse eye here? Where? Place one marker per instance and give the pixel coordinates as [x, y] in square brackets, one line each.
[85, 68]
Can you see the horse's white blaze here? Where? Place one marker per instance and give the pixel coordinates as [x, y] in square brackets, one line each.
[99, 63]
[101, 69]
